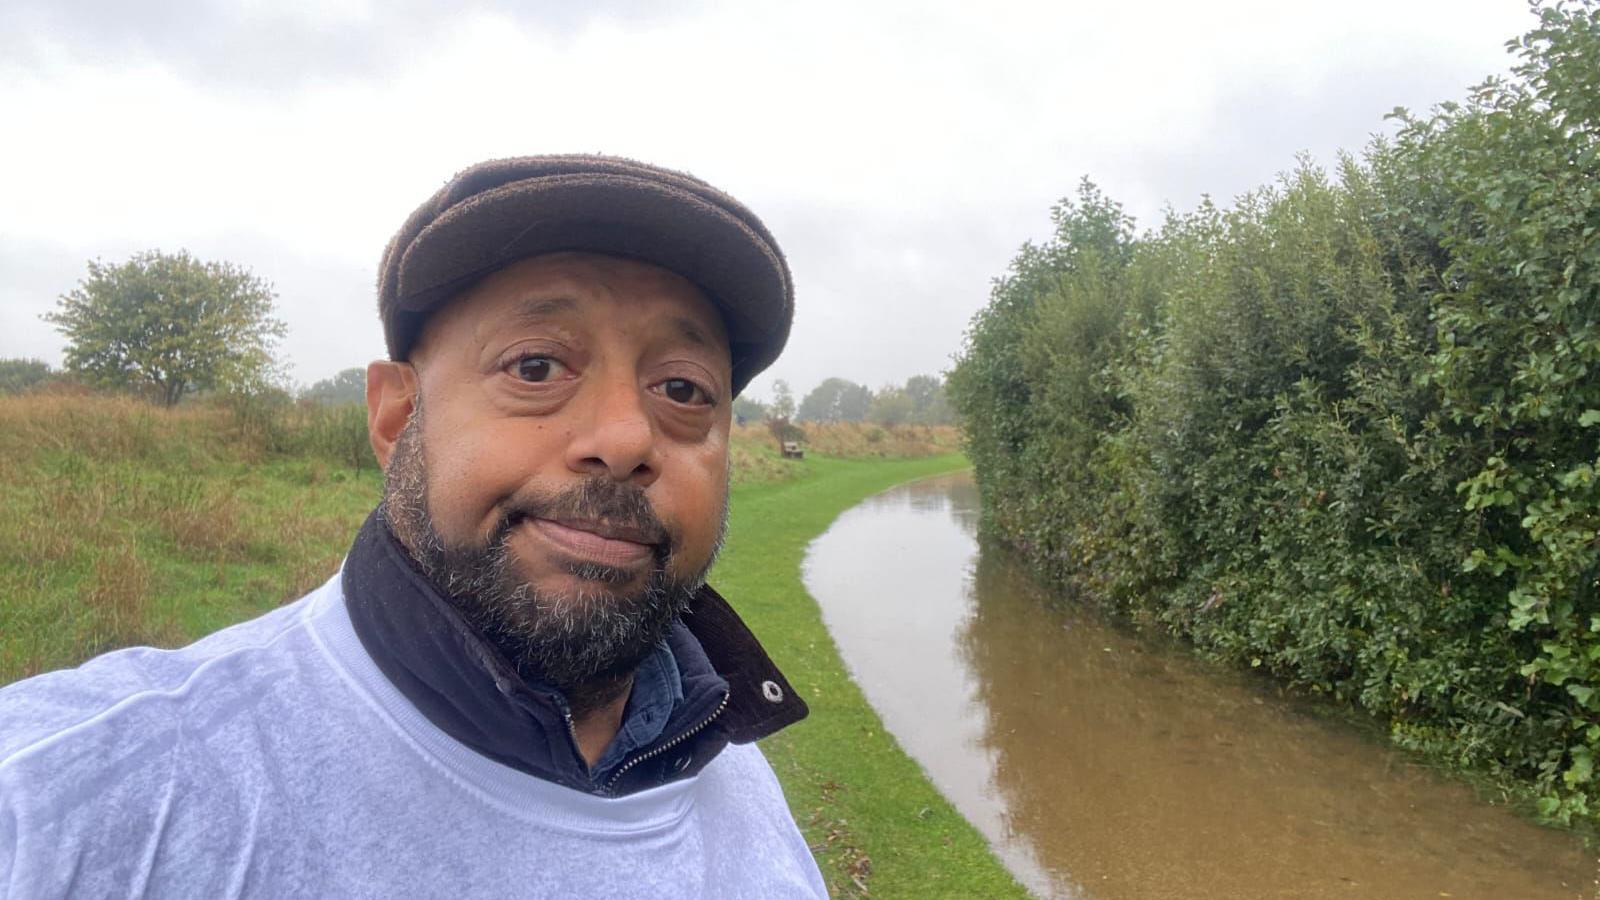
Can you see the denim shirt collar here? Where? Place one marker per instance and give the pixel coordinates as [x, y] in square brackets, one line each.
[657, 691]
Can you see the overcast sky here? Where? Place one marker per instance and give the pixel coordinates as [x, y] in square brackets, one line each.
[900, 151]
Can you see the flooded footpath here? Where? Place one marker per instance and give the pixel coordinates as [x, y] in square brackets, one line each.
[1102, 764]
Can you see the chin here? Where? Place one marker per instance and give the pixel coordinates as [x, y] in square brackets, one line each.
[577, 579]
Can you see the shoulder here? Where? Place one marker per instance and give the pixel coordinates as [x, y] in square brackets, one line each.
[748, 809]
[133, 766]
[746, 761]
[741, 779]
[133, 696]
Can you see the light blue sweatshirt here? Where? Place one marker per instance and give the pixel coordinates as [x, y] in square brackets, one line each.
[274, 759]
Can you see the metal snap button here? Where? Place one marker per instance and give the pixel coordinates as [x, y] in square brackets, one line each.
[682, 762]
[771, 691]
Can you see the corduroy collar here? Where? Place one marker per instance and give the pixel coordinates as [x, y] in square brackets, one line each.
[732, 690]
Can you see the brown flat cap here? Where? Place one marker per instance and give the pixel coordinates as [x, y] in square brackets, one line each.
[503, 210]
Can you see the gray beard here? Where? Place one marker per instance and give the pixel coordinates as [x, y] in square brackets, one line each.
[586, 643]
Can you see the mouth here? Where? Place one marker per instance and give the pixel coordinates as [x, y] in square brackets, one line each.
[598, 542]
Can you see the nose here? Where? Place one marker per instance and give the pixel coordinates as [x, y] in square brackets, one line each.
[613, 435]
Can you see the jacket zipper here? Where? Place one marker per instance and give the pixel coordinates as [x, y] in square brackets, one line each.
[611, 783]
[572, 732]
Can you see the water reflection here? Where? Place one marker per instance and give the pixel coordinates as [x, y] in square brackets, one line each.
[1101, 765]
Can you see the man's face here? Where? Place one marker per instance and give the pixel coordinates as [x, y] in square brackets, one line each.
[563, 472]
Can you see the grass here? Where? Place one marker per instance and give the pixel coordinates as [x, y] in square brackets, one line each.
[126, 524]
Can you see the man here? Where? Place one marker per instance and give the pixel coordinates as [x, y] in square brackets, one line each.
[518, 684]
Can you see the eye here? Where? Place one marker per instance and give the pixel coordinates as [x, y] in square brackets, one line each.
[535, 369]
[682, 390]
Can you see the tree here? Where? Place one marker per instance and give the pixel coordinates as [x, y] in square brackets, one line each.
[928, 403]
[891, 406]
[782, 400]
[169, 324]
[18, 375]
[784, 431]
[746, 409]
[349, 386]
[836, 400]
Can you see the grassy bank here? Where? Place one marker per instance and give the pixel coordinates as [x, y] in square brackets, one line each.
[126, 524]
[875, 822]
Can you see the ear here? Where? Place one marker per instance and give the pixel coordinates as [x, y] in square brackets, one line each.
[391, 398]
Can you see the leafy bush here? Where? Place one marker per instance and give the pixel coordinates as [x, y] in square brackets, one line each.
[1344, 431]
[349, 386]
[337, 432]
[17, 375]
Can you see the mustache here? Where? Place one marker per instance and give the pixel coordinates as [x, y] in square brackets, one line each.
[598, 501]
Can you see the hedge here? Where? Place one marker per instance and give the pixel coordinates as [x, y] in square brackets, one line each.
[1344, 430]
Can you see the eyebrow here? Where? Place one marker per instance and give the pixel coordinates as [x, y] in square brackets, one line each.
[533, 311]
[692, 332]
[539, 310]
[527, 312]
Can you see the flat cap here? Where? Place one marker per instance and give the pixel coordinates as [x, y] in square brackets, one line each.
[503, 210]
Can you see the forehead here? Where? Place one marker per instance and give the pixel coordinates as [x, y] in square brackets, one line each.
[596, 291]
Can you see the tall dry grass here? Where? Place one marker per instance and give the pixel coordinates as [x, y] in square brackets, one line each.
[122, 523]
[858, 440]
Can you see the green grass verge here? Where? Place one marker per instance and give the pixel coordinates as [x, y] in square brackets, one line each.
[875, 822]
[96, 555]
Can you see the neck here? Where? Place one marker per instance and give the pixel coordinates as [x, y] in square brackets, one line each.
[597, 709]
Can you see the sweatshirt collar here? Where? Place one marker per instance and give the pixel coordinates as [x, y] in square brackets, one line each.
[462, 684]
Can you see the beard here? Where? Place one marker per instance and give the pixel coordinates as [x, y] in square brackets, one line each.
[585, 642]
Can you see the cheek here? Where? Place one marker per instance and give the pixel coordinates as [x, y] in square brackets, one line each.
[472, 469]
[699, 497]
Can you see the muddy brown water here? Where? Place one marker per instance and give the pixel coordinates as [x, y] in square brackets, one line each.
[1103, 764]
